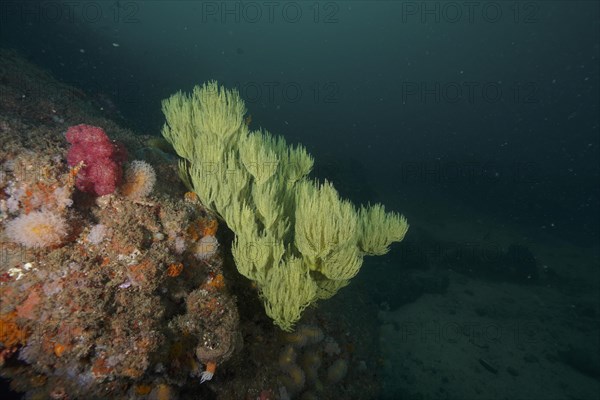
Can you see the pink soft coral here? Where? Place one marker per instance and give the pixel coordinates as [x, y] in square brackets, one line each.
[102, 158]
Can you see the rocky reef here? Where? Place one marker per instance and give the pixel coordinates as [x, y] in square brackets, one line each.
[122, 285]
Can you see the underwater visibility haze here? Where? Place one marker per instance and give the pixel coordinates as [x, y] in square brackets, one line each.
[299, 200]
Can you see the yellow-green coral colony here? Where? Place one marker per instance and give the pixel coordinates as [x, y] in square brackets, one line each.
[295, 237]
